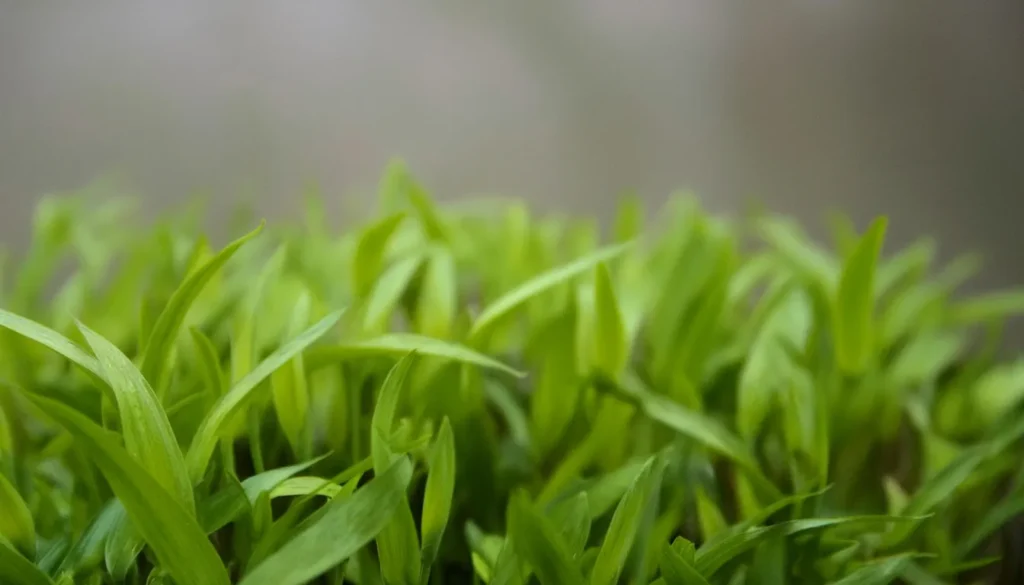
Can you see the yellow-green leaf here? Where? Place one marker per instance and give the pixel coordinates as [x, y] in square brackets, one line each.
[609, 344]
[16, 524]
[618, 540]
[854, 310]
[437, 496]
[369, 254]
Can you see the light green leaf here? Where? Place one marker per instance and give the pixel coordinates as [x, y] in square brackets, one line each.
[289, 387]
[210, 428]
[369, 254]
[618, 541]
[540, 545]
[438, 299]
[881, 572]
[160, 343]
[513, 299]
[88, 549]
[573, 517]
[148, 436]
[387, 292]
[676, 570]
[712, 522]
[170, 530]
[123, 544]
[51, 339]
[398, 344]
[304, 485]
[16, 524]
[609, 344]
[855, 302]
[346, 525]
[17, 570]
[437, 496]
[988, 307]
[209, 362]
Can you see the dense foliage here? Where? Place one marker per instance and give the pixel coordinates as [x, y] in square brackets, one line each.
[472, 394]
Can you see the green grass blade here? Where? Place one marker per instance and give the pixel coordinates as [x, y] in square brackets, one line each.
[573, 518]
[388, 291]
[16, 524]
[995, 518]
[618, 541]
[540, 545]
[88, 549]
[51, 339]
[171, 531]
[437, 304]
[437, 496]
[678, 571]
[399, 344]
[855, 301]
[209, 362]
[513, 299]
[161, 339]
[610, 347]
[290, 389]
[369, 254]
[880, 572]
[148, 436]
[988, 307]
[346, 526]
[212, 425]
[17, 570]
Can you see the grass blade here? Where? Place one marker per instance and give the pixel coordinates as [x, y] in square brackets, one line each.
[172, 532]
[210, 428]
[51, 339]
[540, 545]
[148, 436]
[678, 571]
[880, 572]
[618, 541]
[437, 497]
[610, 346]
[16, 524]
[161, 339]
[539, 284]
[855, 301]
[17, 570]
[398, 344]
[366, 263]
[346, 526]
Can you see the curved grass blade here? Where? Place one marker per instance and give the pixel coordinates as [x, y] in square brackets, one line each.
[161, 339]
[172, 532]
[306, 485]
[855, 301]
[678, 571]
[398, 344]
[388, 290]
[618, 541]
[880, 572]
[610, 346]
[210, 428]
[540, 545]
[572, 515]
[208, 361]
[437, 496]
[366, 262]
[17, 570]
[148, 436]
[88, 549]
[346, 526]
[513, 299]
[51, 339]
[992, 521]
[16, 524]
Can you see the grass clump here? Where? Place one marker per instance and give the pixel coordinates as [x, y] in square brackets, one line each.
[473, 394]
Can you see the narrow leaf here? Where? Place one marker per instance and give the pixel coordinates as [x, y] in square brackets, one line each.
[398, 344]
[16, 524]
[437, 496]
[855, 301]
[618, 541]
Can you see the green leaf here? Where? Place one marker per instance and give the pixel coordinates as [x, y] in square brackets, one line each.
[398, 344]
[995, 518]
[855, 301]
[676, 570]
[88, 549]
[397, 543]
[210, 428]
[51, 339]
[16, 524]
[388, 291]
[540, 545]
[347, 525]
[170, 530]
[17, 570]
[289, 387]
[573, 517]
[437, 496]
[881, 572]
[156, 354]
[618, 541]
[610, 346]
[438, 298]
[123, 544]
[369, 254]
[712, 522]
[988, 307]
[513, 299]
[209, 362]
[148, 436]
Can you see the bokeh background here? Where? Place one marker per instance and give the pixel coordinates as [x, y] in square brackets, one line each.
[912, 108]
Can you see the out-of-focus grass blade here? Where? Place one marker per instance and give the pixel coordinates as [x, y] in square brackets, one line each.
[398, 344]
[709, 516]
[17, 570]
[206, 353]
[289, 387]
[540, 545]
[610, 347]
[574, 519]
[988, 307]
[806, 258]
[148, 436]
[678, 571]
[855, 301]
[881, 572]
[388, 290]
[618, 541]
[397, 543]
[51, 339]
[210, 428]
[539, 284]
[161, 339]
[169, 529]
[347, 525]
[88, 549]
[304, 485]
[369, 254]
[122, 545]
[438, 299]
[16, 524]
[437, 497]
[993, 519]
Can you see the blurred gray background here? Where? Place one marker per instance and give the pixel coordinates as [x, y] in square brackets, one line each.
[912, 108]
